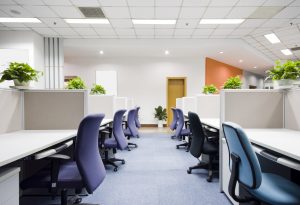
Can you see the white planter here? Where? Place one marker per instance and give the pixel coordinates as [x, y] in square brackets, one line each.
[283, 84]
[160, 124]
[18, 83]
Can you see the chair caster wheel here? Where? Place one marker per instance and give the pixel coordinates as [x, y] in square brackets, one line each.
[187, 150]
[189, 171]
[115, 169]
[123, 162]
[136, 146]
[77, 201]
[177, 147]
[209, 179]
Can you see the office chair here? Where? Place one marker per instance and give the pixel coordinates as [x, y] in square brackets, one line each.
[131, 130]
[200, 145]
[137, 121]
[245, 169]
[180, 132]
[173, 124]
[118, 141]
[87, 171]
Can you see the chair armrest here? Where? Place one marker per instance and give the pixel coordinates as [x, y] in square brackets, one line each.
[50, 152]
[59, 156]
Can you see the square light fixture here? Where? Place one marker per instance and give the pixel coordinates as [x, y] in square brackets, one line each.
[221, 21]
[87, 21]
[19, 20]
[153, 21]
[272, 38]
[287, 52]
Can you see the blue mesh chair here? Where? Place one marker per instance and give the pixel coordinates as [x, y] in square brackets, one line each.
[118, 141]
[137, 121]
[173, 124]
[87, 171]
[131, 130]
[180, 132]
[245, 168]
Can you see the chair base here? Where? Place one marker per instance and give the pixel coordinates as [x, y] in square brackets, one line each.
[185, 144]
[132, 144]
[112, 162]
[204, 165]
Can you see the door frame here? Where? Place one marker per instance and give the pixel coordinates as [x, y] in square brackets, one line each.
[167, 90]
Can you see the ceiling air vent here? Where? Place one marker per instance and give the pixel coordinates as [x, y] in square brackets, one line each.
[92, 12]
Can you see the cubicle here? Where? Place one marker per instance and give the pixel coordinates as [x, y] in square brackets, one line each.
[208, 106]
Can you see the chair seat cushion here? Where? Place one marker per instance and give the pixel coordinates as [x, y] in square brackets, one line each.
[277, 190]
[209, 147]
[69, 177]
[127, 132]
[110, 143]
[185, 132]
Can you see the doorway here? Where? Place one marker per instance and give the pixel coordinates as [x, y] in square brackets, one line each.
[176, 88]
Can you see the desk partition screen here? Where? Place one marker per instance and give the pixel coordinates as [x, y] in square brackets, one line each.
[208, 106]
[54, 109]
[292, 109]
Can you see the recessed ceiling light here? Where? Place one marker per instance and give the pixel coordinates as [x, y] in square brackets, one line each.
[153, 21]
[241, 61]
[221, 21]
[221, 52]
[19, 20]
[87, 21]
[167, 52]
[272, 38]
[101, 52]
[287, 52]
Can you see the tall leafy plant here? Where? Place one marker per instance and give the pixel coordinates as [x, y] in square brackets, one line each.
[160, 113]
[289, 70]
[98, 90]
[233, 83]
[76, 83]
[209, 89]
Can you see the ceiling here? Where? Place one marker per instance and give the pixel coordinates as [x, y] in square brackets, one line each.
[262, 17]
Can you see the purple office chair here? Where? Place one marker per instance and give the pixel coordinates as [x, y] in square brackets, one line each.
[137, 122]
[180, 132]
[173, 124]
[87, 171]
[131, 130]
[119, 140]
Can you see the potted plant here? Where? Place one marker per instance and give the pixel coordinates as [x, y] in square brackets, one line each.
[20, 73]
[161, 115]
[210, 89]
[98, 90]
[75, 84]
[233, 83]
[285, 74]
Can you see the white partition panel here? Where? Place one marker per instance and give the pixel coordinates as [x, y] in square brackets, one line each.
[130, 103]
[120, 103]
[101, 104]
[11, 108]
[188, 104]
[292, 109]
[208, 106]
[179, 103]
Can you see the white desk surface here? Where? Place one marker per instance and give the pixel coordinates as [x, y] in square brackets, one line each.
[19, 144]
[106, 121]
[212, 122]
[283, 141]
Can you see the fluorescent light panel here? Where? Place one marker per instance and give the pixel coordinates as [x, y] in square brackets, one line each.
[153, 21]
[87, 21]
[272, 38]
[221, 21]
[19, 20]
[287, 52]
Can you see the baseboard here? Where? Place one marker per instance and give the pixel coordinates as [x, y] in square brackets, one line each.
[151, 125]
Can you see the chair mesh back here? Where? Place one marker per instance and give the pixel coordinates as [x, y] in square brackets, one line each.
[137, 122]
[173, 125]
[131, 122]
[118, 129]
[198, 136]
[238, 143]
[180, 122]
[87, 154]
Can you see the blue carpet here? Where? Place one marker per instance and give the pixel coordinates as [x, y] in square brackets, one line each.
[154, 174]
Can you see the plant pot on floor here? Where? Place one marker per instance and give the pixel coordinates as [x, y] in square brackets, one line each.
[160, 124]
[283, 84]
[24, 84]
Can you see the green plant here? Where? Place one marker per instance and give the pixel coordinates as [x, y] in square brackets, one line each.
[233, 83]
[98, 90]
[160, 113]
[21, 72]
[76, 83]
[288, 70]
[209, 89]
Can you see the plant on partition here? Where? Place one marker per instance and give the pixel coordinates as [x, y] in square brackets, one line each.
[98, 90]
[21, 73]
[75, 84]
[210, 89]
[160, 113]
[233, 83]
[290, 70]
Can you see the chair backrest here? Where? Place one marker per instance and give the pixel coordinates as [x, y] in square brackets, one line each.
[173, 125]
[118, 129]
[238, 143]
[198, 135]
[137, 122]
[131, 122]
[87, 155]
[180, 122]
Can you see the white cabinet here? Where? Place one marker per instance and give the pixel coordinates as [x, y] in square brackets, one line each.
[9, 186]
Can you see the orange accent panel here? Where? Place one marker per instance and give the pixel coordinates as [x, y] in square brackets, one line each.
[217, 72]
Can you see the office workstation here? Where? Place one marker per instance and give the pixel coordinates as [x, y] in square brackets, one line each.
[149, 102]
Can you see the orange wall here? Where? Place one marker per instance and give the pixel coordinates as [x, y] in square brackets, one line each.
[217, 72]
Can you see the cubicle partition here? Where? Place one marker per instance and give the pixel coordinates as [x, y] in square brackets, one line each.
[11, 106]
[54, 109]
[120, 103]
[179, 103]
[208, 106]
[188, 104]
[292, 109]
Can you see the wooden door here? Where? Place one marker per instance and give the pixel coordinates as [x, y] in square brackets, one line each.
[176, 88]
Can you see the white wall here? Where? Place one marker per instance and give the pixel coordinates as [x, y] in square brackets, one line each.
[142, 78]
[252, 79]
[27, 40]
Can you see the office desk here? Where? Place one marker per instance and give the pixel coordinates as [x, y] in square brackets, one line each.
[211, 122]
[106, 121]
